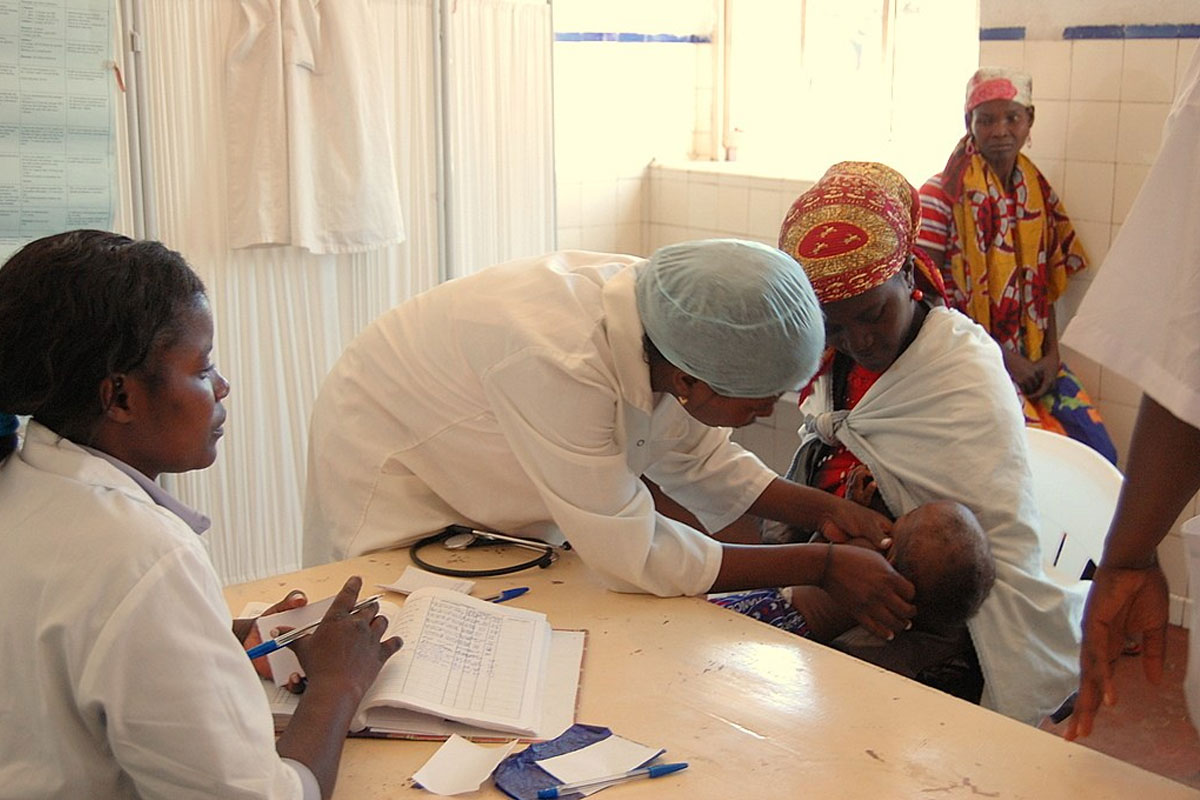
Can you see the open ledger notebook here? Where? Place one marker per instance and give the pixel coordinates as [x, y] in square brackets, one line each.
[469, 667]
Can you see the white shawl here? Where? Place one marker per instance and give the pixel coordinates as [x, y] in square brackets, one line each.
[943, 422]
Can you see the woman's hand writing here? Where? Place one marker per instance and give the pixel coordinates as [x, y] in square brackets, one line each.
[347, 648]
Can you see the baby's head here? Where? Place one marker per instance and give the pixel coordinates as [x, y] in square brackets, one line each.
[942, 549]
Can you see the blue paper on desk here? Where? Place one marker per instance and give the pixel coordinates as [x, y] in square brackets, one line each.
[521, 777]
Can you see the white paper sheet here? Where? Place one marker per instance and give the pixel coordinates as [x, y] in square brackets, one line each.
[412, 579]
[460, 766]
[610, 756]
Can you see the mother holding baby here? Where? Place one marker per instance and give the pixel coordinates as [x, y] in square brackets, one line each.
[918, 395]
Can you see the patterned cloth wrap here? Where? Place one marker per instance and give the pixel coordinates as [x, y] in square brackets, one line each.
[765, 605]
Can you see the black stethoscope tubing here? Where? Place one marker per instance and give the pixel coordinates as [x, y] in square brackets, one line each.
[545, 558]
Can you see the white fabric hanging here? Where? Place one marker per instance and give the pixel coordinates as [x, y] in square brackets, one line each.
[283, 315]
[309, 145]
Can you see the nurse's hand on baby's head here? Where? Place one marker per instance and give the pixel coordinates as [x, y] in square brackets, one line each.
[844, 520]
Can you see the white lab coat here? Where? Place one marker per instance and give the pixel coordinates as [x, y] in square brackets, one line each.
[309, 140]
[122, 675]
[944, 423]
[519, 399]
[1141, 317]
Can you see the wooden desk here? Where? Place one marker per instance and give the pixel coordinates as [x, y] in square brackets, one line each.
[757, 712]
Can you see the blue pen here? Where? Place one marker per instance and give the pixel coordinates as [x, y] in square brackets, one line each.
[507, 594]
[656, 771]
[284, 639]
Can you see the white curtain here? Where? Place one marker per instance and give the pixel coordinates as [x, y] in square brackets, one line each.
[499, 142]
[282, 314]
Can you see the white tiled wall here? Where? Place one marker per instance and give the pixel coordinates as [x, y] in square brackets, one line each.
[710, 199]
[1100, 109]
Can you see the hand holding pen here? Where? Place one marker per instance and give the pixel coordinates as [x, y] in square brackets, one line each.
[246, 631]
[286, 638]
[345, 648]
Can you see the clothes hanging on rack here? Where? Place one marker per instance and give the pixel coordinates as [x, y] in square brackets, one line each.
[309, 139]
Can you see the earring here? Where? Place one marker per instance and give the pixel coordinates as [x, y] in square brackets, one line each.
[918, 295]
[682, 400]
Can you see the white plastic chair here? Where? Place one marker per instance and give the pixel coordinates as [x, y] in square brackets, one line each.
[1076, 490]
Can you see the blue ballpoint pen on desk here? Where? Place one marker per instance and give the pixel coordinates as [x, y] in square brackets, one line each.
[284, 639]
[655, 771]
[507, 594]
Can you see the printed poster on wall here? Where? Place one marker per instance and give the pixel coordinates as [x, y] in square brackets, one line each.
[56, 118]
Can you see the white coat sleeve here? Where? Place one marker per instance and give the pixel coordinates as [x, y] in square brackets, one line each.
[711, 476]
[183, 710]
[559, 418]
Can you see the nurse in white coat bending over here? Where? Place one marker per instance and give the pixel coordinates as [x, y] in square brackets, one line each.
[532, 397]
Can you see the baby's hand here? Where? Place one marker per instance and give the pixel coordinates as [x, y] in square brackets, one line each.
[860, 485]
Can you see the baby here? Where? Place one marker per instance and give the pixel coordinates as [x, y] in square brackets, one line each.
[941, 548]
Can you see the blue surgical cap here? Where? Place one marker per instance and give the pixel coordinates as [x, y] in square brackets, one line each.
[738, 315]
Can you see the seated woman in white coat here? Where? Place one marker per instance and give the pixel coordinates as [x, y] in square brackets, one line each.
[530, 398]
[124, 677]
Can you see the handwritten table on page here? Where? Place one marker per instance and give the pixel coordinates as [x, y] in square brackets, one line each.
[465, 659]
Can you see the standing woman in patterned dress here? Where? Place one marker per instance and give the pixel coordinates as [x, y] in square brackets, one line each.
[999, 234]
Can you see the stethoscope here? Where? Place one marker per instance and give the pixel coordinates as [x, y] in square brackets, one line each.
[462, 537]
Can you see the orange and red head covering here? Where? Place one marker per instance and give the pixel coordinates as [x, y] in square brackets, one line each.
[854, 229]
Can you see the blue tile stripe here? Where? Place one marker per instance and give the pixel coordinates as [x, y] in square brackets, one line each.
[1001, 34]
[591, 36]
[998, 34]
[1183, 31]
[1094, 32]
[1162, 31]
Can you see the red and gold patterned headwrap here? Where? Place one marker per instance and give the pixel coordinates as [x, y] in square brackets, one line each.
[854, 229]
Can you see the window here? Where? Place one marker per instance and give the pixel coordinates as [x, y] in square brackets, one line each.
[811, 82]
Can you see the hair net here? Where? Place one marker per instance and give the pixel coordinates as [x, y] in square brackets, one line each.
[739, 316]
